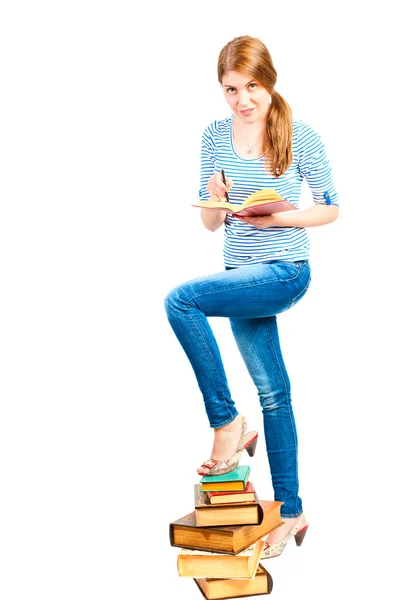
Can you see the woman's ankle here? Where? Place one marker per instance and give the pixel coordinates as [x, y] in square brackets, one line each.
[289, 523]
[226, 439]
[234, 424]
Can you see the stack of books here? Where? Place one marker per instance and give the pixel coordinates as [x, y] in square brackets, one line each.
[221, 540]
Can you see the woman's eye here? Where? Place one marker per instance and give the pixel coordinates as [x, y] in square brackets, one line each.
[230, 90]
[252, 86]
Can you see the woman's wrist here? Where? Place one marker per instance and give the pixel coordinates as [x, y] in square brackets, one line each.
[212, 220]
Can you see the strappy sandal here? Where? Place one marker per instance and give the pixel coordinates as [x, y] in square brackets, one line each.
[247, 442]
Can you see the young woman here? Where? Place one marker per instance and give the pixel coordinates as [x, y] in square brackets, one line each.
[266, 267]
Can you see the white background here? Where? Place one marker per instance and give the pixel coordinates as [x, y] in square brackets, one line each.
[102, 424]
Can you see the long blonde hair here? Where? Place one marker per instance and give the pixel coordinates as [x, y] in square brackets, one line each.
[247, 54]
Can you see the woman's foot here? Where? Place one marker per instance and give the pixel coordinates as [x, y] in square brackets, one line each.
[225, 443]
[279, 537]
[278, 534]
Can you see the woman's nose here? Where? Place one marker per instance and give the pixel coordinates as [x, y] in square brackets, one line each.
[243, 98]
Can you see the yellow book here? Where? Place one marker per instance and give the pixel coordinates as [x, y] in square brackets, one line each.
[200, 564]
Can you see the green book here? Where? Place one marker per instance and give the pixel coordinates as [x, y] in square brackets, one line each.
[234, 481]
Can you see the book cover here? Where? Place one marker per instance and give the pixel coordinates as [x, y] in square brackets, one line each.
[248, 495]
[199, 564]
[262, 202]
[240, 513]
[222, 589]
[229, 539]
[235, 480]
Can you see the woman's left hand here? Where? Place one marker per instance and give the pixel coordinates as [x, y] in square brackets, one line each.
[318, 214]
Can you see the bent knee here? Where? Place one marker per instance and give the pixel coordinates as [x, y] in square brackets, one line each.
[175, 299]
[170, 301]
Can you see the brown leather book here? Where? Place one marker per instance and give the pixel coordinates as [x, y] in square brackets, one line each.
[184, 532]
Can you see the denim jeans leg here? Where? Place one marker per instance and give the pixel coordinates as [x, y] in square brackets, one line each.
[250, 297]
[259, 345]
[195, 334]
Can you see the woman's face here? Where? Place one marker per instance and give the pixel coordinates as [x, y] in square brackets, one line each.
[247, 98]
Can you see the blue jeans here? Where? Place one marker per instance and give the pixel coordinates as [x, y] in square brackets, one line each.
[250, 297]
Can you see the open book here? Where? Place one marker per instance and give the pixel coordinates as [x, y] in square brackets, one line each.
[263, 202]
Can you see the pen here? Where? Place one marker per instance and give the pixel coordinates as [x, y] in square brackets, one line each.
[225, 183]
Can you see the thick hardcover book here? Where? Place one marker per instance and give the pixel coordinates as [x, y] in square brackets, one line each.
[234, 481]
[222, 589]
[262, 202]
[241, 513]
[248, 495]
[199, 564]
[232, 539]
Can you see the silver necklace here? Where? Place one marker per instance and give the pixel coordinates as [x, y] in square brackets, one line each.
[250, 148]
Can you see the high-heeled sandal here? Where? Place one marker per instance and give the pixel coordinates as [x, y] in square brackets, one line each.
[247, 442]
[298, 532]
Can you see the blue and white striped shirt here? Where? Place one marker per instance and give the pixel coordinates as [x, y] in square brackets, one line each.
[245, 244]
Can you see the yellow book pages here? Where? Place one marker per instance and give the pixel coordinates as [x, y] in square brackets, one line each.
[248, 495]
[194, 563]
[262, 196]
[232, 515]
[267, 197]
[213, 202]
[215, 589]
[244, 497]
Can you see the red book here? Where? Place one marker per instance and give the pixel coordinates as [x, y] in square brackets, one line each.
[247, 495]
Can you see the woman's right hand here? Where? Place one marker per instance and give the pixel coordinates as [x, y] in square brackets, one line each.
[216, 187]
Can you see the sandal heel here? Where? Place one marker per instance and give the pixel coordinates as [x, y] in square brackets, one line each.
[300, 535]
[251, 446]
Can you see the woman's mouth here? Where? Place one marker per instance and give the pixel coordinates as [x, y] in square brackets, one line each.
[246, 112]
